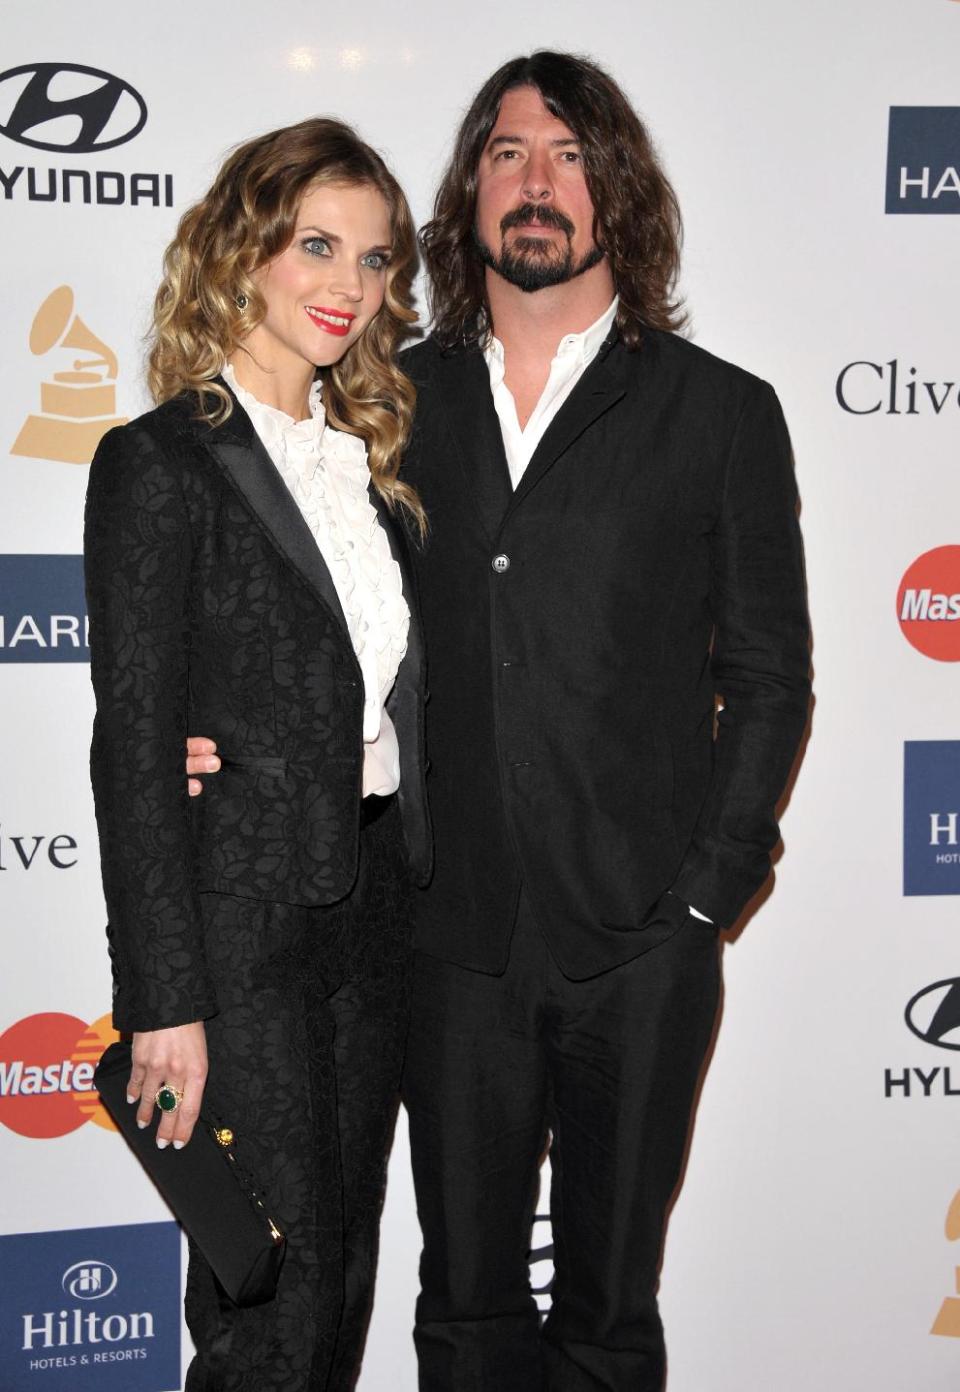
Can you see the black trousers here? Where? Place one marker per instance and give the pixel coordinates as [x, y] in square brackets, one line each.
[305, 1058]
[609, 1068]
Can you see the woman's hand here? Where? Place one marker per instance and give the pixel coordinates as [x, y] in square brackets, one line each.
[176, 1057]
[201, 758]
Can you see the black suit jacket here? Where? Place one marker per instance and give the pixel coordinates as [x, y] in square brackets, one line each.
[651, 562]
[212, 611]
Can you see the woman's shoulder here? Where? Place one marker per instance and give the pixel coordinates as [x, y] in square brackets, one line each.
[161, 448]
[176, 419]
[170, 430]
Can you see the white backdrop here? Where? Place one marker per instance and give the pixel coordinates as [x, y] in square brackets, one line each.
[810, 1245]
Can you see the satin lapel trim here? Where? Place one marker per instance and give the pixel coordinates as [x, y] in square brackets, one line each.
[603, 384]
[240, 453]
[398, 549]
[467, 402]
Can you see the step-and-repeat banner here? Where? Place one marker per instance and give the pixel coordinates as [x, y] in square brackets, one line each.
[816, 152]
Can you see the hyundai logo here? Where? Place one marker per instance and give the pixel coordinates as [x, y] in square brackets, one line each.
[83, 109]
[933, 1014]
[89, 1280]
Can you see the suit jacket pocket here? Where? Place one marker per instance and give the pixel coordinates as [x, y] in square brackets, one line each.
[263, 765]
[266, 832]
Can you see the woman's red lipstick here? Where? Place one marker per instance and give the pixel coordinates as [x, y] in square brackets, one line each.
[332, 321]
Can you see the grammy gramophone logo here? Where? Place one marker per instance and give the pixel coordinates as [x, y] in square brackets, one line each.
[948, 1319]
[77, 406]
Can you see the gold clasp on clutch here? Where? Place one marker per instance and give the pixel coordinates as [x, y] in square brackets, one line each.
[225, 1138]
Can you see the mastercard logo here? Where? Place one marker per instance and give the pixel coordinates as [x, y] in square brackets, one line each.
[46, 1074]
[928, 604]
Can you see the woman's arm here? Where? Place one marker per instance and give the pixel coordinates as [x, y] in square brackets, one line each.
[138, 552]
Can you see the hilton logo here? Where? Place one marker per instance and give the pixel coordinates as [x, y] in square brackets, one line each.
[75, 110]
[923, 160]
[77, 404]
[89, 1280]
[933, 1015]
[111, 1320]
[931, 817]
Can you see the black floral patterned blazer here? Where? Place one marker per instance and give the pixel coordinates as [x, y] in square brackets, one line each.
[212, 611]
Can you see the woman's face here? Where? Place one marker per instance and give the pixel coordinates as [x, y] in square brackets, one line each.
[326, 287]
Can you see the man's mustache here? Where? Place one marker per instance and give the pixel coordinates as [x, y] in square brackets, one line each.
[529, 213]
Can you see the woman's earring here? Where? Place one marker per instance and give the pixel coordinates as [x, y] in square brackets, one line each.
[241, 301]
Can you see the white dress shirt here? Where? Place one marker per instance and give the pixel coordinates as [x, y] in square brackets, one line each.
[327, 473]
[574, 355]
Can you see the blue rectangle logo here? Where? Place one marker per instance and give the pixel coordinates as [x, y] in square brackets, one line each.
[923, 160]
[931, 817]
[91, 1309]
[43, 609]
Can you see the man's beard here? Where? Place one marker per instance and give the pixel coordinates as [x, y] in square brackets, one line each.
[532, 263]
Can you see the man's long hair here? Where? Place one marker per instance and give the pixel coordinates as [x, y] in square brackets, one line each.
[636, 215]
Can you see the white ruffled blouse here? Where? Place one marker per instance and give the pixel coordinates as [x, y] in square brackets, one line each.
[327, 473]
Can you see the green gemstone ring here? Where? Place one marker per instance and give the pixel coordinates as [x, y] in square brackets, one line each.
[168, 1098]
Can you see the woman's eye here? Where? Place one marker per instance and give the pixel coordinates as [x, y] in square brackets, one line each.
[375, 260]
[316, 246]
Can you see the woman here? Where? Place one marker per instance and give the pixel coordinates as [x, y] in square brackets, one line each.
[246, 577]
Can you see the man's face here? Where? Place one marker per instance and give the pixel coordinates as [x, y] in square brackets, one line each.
[534, 223]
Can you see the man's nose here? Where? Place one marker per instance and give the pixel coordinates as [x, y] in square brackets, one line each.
[538, 179]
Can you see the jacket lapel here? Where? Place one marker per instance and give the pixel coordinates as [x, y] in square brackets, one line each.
[239, 452]
[468, 402]
[602, 385]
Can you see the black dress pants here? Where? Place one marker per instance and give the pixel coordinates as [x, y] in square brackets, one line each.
[609, 1068]
[305, 1058]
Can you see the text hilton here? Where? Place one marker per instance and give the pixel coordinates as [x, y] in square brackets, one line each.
[72, 1327]
[863, 388]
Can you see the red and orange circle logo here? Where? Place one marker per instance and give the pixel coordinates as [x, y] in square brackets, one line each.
[928, 604]
[46, 1074]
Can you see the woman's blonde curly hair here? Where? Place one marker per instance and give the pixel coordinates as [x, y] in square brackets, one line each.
[246, 220]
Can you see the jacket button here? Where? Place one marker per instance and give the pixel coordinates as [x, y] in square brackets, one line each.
[500, 563]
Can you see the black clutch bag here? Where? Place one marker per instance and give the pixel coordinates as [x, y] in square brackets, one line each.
[206, 1187]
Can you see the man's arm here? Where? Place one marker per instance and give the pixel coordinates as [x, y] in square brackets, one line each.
[760, 665]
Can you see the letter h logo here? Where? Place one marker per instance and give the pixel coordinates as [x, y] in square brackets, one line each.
[89, 1280]
[931, 817]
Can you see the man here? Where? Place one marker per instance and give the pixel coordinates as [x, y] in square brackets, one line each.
[613, 548]
[605, 502]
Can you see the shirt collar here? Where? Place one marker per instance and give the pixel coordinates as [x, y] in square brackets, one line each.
[581, 346]
[280, 418]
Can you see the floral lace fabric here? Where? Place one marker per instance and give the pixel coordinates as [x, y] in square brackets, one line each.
[328, 476]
